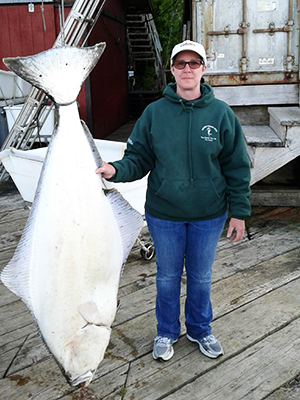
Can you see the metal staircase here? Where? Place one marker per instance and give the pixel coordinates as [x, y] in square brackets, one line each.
[144, 45]
[75, 32]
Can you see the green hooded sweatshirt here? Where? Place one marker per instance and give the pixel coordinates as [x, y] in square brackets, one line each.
[196, 155]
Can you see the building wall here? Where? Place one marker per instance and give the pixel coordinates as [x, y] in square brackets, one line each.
[22, 32]
[108, 81]
[103, 98]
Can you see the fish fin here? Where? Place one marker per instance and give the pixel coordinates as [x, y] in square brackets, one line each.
[129, 221]
[89, 311]
[15, 276]
[96, 154]
[59, 71]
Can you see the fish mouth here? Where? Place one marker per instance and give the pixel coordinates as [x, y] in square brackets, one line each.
[82, 380]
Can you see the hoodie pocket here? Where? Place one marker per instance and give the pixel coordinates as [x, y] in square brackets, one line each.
[203, 197]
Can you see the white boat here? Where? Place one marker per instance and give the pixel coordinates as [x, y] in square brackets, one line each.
[25, 167]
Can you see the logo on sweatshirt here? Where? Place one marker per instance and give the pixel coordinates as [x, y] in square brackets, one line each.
[209, 133]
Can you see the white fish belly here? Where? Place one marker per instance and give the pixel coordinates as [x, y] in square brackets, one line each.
[77, 257]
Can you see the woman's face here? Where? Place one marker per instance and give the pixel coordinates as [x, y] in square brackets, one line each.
[188, 79]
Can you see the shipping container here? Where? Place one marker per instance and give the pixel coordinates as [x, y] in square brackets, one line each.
[250, 43]
[253, 65]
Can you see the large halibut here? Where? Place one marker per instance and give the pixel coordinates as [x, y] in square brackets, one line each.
[68, 262]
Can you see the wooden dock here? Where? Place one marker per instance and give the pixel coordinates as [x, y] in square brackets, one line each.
[256, 301]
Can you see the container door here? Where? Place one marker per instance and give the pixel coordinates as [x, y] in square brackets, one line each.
[248, 41]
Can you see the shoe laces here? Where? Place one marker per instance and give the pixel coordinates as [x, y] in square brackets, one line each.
[161, 341]
[209, 339]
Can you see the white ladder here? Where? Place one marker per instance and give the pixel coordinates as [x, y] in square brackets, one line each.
[77, 26]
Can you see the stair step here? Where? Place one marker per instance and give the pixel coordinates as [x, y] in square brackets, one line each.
[141, 46]
[140, 42]
[135, 17]
[143, 54]
[283, 118]
[138, 35]
[137, 27]
[262, 136]
[288, 116]
[251, 154]
[138, 24]
[144, 58]
[144, 51]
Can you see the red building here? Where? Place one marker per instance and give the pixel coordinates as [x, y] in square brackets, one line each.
[31, 27]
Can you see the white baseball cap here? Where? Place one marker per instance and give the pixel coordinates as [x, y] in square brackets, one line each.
[188, 45]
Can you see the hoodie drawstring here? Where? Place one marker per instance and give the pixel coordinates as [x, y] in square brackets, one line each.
[190, 146]
[189, 110]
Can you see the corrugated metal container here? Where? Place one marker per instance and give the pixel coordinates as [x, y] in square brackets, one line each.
[250, 42]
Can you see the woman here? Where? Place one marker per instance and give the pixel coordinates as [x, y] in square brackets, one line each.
[192, 144]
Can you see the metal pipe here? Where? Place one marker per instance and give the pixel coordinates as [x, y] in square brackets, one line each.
[298, 49]
[244, 26]
[289, 25]
[226, 32]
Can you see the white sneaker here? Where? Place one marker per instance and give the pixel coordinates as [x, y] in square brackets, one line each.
[208, 345]
[163, 348]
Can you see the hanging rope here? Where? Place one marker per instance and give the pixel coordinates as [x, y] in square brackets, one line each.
[43, 15]
[62, 21]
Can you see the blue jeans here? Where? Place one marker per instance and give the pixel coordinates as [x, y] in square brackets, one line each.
[193, 244]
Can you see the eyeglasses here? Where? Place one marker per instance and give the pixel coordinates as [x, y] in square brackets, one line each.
[193, 64]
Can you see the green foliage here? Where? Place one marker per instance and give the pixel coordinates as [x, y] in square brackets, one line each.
[122, 391]
[168, 20]
[145, 77]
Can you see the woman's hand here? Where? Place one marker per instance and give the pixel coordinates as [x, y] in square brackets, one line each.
[236, 229]
[107, 170]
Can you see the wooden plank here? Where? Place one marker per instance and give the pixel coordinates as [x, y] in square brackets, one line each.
[108, 387]
[290, 391]
[254, 282]
[16, 315]
[32, 351]
[241, 256]
[237, 331]
[12, 226]
[10, 240]
[275, 197]
[11, 202]
[41, 381]
[6, 296]
[289, 116]
[143, 301]
[132, 337]
[261, 369]
[5, 44]
[258, 94]
[229, 260]
[14, 27]
[262, 136]
[5, 256]
[14, 215]
[45, 381]
[244, 287]
[277, 157]
[138, 271]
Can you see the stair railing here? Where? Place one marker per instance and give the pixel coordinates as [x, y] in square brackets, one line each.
[158, 48]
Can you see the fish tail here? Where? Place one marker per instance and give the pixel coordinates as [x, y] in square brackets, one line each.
[59, 72]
